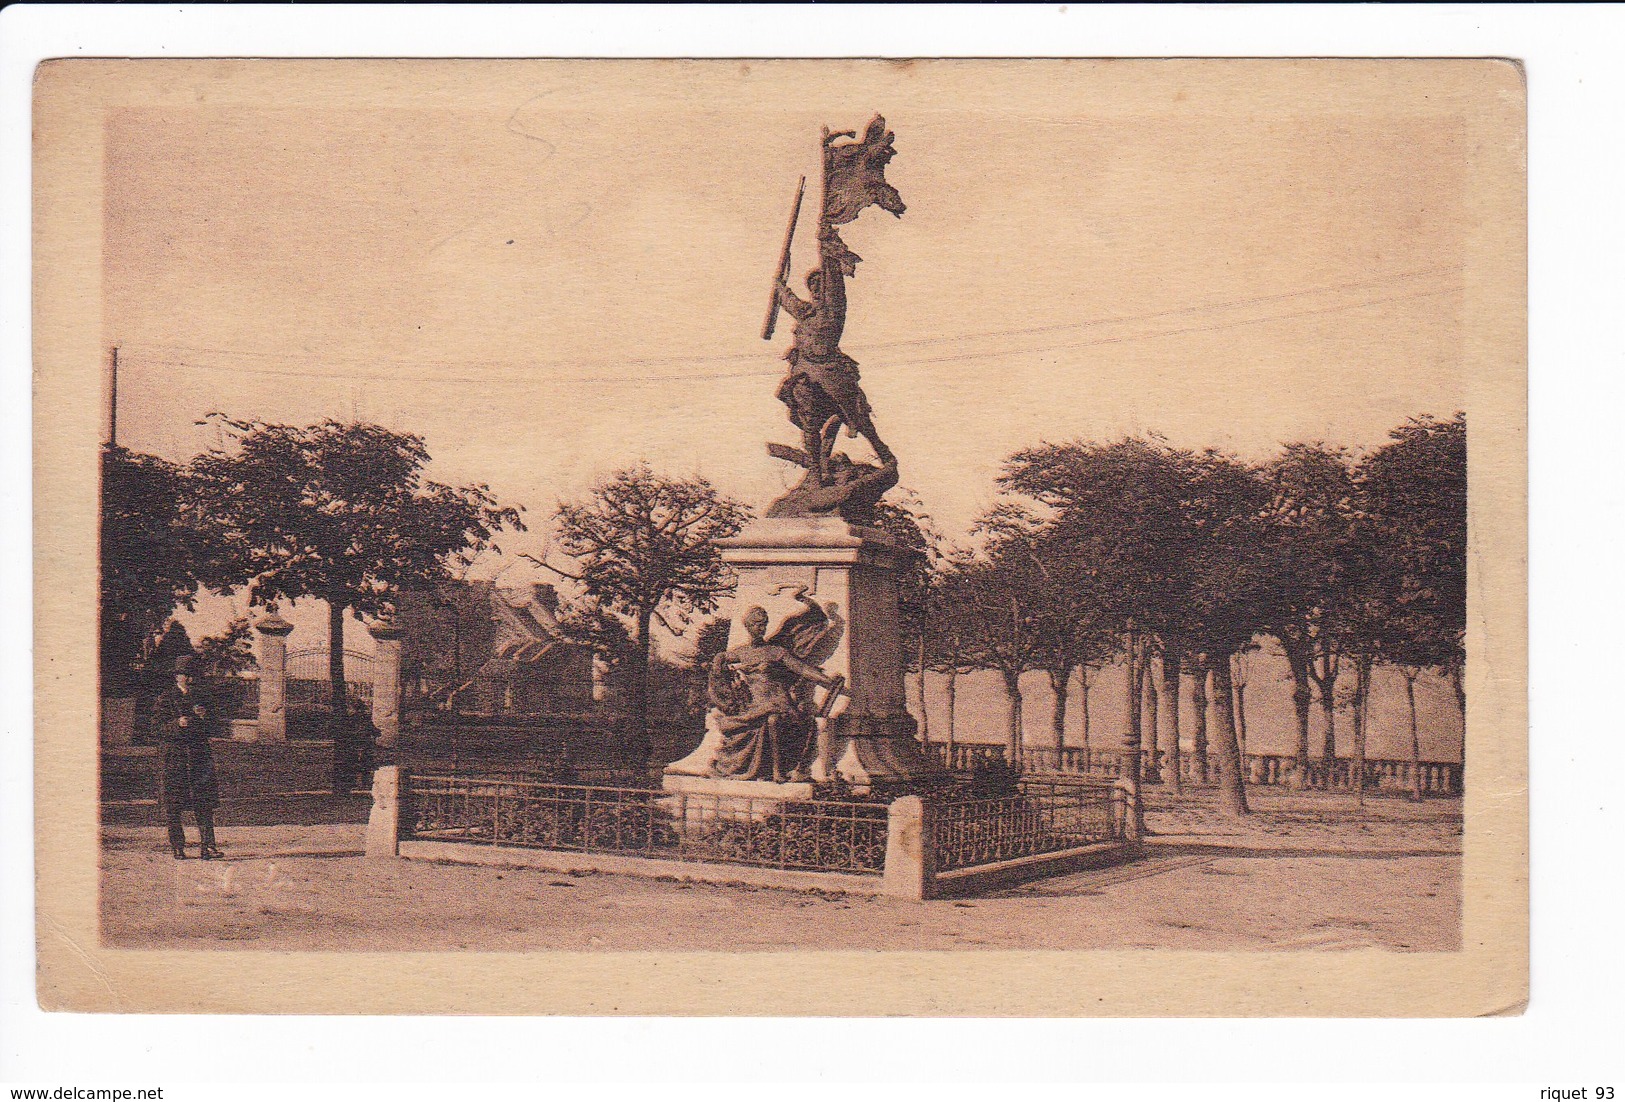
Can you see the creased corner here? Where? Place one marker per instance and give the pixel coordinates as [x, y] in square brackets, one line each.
[60, 932]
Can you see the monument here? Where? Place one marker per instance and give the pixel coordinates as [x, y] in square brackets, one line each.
[810, 690]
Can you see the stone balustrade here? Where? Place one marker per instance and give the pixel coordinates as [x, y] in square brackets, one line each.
[1382, 774]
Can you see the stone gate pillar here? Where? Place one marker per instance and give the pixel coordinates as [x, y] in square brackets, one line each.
[386, 682]
[273, 658]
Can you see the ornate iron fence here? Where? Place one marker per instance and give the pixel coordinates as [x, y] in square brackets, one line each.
[237, 697]
[1042, 818]
[820, 835]
[308, 687]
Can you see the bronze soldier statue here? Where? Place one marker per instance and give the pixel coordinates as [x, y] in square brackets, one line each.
[821, 388]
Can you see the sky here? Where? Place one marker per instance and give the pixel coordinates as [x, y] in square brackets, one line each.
[553, 270]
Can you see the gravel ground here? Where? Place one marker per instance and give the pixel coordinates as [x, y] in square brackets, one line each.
[1303, 872]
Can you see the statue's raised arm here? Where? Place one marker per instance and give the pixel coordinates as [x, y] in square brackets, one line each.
[822, 389]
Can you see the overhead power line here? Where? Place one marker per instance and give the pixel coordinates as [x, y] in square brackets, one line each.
[1399, 277]
[545, 371]
[1236, 324]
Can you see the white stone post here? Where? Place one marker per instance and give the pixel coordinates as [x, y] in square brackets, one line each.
[910, 873]
[386, 682]
[384, 824]
[273, 658]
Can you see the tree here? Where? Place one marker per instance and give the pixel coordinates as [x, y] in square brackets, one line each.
[1075, 628]
[1116, 507]
[1051, 621]
[219, 661]
[1145, 691]
[1324, 668]
[1309, 522]
[998, 591]
[339, 511]
[586, 620]
[1416, 492]
[1241, 672]
[1233, 588]
[1415, 560]
[227, 655]
[1068, 631]
[1000, 639]
[710, 641]
[150, 552]
[910, 528]
[645, 549]
[950, 628]
[1199, 712]
[1086, 673]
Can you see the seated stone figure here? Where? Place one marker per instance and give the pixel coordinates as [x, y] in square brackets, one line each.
[763, 710]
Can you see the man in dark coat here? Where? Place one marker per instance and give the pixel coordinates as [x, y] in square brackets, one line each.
[159, 676]
[184, 721]
[173, 646]
[359, 750]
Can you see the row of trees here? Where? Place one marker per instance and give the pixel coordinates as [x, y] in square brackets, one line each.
[1133, 550]
[341, 512]
[1175, 561]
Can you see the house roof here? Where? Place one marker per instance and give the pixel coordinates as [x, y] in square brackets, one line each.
[527, 635]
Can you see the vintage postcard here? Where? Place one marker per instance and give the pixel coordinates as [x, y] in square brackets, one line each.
[781, 537]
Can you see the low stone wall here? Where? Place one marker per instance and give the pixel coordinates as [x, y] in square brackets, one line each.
[245, 769]
[512, 857]
[977, 843]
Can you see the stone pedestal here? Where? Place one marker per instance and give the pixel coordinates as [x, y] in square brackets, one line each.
[386, 683]
[725, 798]
[273, 659]
[851, 572]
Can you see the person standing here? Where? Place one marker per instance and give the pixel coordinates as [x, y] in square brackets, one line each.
[184, 721]
[172, 647]
[158, 674]
[360, 757]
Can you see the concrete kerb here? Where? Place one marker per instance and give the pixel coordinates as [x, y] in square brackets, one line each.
[999, 874]
[566, 861]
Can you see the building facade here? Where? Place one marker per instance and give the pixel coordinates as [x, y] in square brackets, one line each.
[490, 650]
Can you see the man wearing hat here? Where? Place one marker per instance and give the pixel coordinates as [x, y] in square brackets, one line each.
[184, 721]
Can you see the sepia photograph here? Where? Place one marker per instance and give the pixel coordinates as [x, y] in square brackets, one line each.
[939, 519]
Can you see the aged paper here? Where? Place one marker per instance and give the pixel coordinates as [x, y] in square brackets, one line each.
[553, 271]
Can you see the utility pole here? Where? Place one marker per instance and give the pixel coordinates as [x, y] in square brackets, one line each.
[112, 405]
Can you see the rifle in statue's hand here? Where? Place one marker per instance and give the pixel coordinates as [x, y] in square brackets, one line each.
[784, 264]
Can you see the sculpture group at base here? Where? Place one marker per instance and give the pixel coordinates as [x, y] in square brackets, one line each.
[762, 693]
